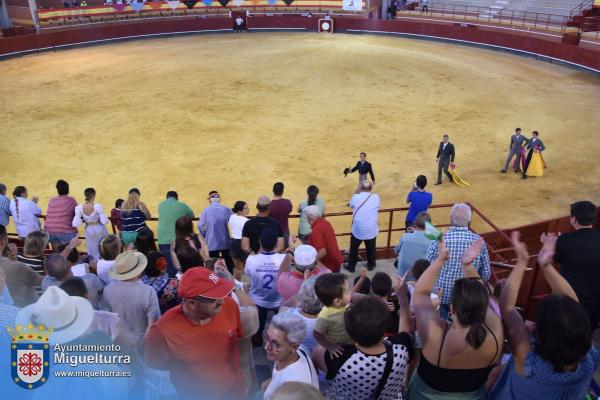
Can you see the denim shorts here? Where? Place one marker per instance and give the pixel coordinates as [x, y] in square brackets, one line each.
[61, 238]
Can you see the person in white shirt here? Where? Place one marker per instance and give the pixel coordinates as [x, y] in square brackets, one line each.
[239, 24]
[25, 212]
[365, 207]
[236, 225]
[292, 363]
[95, 220]
[110, 248]
[262, 268]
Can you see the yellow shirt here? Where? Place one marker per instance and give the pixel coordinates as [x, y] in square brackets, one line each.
[330, 323]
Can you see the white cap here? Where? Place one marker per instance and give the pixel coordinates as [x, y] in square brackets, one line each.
[305, 255]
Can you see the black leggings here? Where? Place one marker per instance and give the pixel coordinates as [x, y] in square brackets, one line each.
[262, 317]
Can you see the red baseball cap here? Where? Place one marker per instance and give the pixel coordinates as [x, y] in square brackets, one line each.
[200, 281]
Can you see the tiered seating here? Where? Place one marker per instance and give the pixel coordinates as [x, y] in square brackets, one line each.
[555, 7]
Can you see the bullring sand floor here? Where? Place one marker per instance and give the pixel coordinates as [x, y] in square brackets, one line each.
[238, 112]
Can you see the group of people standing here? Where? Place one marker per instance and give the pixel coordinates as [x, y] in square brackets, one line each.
[527, 153]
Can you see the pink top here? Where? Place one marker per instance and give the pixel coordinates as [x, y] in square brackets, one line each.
[59, 217]
[288, 283]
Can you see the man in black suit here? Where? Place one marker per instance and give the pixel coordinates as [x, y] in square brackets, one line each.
[363, 167]
[445, 156]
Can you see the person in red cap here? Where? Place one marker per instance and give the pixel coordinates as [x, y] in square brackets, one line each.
[197, 341]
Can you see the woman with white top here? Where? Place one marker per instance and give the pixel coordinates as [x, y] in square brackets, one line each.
[95, 220]
[25, 212]
[110, 248]
[236, 224]
[291, 363]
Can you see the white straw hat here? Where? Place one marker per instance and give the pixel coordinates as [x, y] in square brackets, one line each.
[128, 265]
[68, 316]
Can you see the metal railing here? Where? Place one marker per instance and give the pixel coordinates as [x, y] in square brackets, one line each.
[578, 9]
[498, 16]
[391, 223]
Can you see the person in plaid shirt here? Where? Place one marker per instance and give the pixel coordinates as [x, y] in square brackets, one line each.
[457, 239]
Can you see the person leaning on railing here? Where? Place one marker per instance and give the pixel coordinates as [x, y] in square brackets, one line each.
[134, 214]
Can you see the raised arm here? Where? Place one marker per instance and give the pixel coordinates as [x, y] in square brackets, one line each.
[289, 256]
[427, 318]
[558, 284]
[469, 257]
[353, 169]
[515, 327]
[405, 324]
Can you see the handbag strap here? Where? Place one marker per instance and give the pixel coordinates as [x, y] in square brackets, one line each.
[359, 207]
[310, 365]
[389, 360]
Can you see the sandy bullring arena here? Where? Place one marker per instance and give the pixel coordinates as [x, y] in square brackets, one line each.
[237, 113]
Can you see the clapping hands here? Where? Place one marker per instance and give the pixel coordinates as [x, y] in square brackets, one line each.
[546, 255]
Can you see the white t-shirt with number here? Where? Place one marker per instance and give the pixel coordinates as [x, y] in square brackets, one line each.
[263, 268]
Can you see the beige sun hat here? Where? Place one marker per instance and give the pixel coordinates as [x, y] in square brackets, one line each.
[68, 316]
[128, 265]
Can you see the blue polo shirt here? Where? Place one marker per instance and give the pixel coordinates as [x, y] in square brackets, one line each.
[419, 202]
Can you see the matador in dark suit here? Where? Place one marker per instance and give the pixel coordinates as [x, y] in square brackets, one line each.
[444, 157]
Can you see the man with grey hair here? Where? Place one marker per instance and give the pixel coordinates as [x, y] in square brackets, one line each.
[457, 240]
[365, 212]
[59, 270]
[4, 205]
[322, 238]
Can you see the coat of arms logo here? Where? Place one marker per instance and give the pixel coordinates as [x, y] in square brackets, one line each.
[30, 355]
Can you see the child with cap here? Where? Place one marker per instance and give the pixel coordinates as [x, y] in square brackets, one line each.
[262, 268]
[305, 266]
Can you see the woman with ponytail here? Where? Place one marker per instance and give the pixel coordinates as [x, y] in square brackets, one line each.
[25, 212]
[134, 214]
[304, 228]
[92, 215]
[456, 357]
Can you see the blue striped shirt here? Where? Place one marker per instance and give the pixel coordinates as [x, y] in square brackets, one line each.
[458, 240]
[4, 210]
[133, 220]
[213, 226]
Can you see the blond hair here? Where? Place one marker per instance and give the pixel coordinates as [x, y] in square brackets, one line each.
[35, 244]
[132, 202]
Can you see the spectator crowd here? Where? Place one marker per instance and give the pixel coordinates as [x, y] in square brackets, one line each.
[193, 305]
